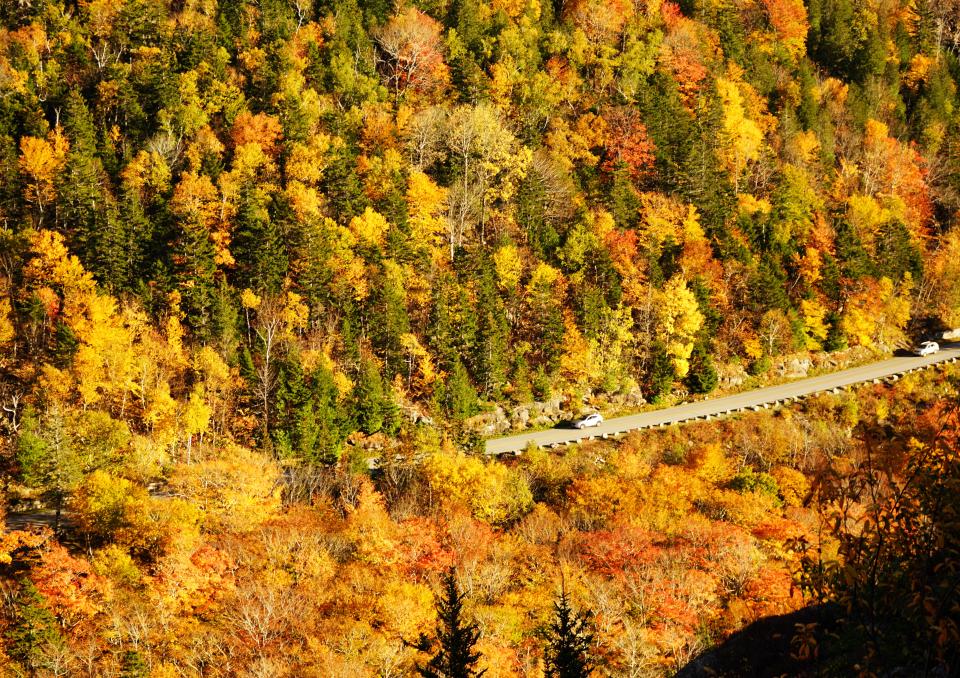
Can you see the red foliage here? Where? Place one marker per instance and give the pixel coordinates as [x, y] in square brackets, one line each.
[627, 143]
[72, 590]
[411, 46]
[421, 553]
[611, 552]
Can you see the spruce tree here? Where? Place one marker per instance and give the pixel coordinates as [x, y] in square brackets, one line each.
[568, 646]
[457, 657]
[34, 631]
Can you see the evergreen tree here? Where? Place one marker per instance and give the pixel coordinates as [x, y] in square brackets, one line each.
[461, 398]
[259, 244]
[34, 632]
[493, 338]
[456, 657]
[133, 665]
[568, 647]
[702, 377]
[661, 374]
[374, 405]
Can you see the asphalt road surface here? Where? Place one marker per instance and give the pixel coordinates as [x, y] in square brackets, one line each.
[750, 400]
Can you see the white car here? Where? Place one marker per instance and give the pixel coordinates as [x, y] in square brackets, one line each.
[926, 348]
[589, 421]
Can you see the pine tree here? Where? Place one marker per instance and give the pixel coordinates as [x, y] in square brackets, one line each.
[702, 377]
[461, 396]
[34, 631]
[456, 658]
[568, 647]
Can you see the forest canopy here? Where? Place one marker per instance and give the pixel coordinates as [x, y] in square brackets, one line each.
[267, 265]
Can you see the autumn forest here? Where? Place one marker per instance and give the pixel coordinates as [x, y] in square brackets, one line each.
[272, 270]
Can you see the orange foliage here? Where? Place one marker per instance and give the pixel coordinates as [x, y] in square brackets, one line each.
[262, 129]
[72, 590]
[627, 143]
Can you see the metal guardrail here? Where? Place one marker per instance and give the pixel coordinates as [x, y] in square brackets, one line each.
[886, 371]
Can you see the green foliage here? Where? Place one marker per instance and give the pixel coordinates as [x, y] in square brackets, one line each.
[749, 480]
[461, 398]
[457, 637]
[570, 640]
[661, 375]
[34, 635]
[702, 377]
[374, 404]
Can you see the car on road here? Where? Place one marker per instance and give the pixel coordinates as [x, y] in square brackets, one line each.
[926, 348]
[589, 421]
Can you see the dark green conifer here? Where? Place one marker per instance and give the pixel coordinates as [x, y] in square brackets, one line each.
[568, 647]
[457, 656]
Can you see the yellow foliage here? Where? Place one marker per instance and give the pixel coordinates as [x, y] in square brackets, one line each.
[712, 465]
[600, 501]
[793, 485]
[305, 200]
[295, 313]
[666, 218]
[426, 371]
[495, 493]
[370, 529]
[879, 313]
[866, 215]
[814, 324]
[147, 171]
[741, 136]
[426, 204]
[196, 414]
[7, 332]
[208, 362]
[370, 228]
[406, 608]
[602, 223]
[668, 498]
[678, 321]
[577, 362]
[750, 205]
[509, 267]
[249, 299]
[52, 264]
[237, 489]
[804, 146]
[543, 278]
[306, 161]
[41, 161]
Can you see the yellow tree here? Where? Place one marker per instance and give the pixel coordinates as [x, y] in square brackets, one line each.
[195, 418]
[426, 206]
[276, 318]
[40, 162]
[878, 312]
[678, 319]
[741, 137]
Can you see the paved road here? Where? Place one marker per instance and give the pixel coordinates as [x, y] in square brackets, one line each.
[706, 409]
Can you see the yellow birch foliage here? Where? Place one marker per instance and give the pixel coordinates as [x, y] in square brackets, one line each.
[370, 528]
[879, 313]
[427, 204]
[742, 137]
[237, 490]
[577, 362]
[7, 332]
[494, 493]
[509, 267]
[40, 162]
[370, 228]
[814, 323]
[678, 321]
